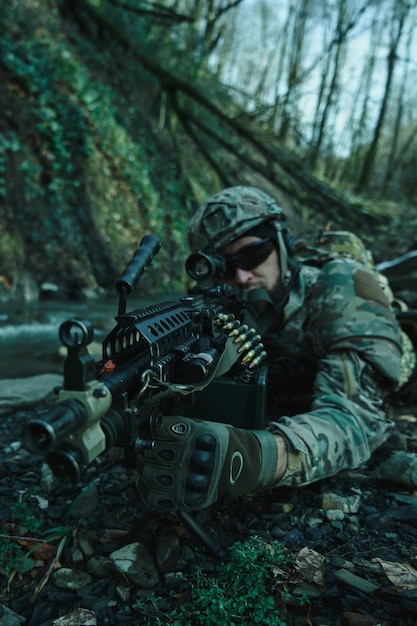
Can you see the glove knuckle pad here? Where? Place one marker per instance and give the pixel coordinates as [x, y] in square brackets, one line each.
[206, 442]
[197, 482]
[202, 461]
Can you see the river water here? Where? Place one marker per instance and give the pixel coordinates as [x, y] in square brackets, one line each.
[29, 341]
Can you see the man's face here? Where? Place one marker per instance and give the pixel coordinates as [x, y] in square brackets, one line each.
[266, 275]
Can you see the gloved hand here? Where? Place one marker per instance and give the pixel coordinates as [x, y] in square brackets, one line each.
[188, 464]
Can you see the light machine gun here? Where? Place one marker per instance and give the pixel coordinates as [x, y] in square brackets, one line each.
[153, 360]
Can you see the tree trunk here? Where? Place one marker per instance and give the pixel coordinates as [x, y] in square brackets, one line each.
[369, 161]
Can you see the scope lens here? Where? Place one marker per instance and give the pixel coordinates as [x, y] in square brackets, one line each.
[201, 266]
[201, 269]
[198, 267]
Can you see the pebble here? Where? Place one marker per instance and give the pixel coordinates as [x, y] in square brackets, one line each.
[174, 580]
[333, 501]
[78, 617]
[168, 550]
[124, 592]
[334, 515]
[136, 562]
[107, 576]
[9, 617]
[350, 618]
[99, 566]
[67, 578]
[314, 533]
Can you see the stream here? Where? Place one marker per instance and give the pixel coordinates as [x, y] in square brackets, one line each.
[29, 341]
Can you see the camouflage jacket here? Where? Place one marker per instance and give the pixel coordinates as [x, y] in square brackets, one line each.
[332, 361]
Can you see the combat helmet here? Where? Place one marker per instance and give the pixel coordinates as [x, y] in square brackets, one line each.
[231, 213]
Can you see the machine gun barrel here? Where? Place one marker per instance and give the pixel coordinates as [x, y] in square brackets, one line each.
[68, 460]
[44, 433]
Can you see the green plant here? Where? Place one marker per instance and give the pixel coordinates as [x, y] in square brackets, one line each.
[151, 611]
[13, 557]
[23, 511]
[21, 538]
[248, 589]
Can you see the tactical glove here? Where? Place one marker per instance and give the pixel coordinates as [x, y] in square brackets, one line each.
[188, 464]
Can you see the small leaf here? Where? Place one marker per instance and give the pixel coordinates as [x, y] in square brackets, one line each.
[24, 564]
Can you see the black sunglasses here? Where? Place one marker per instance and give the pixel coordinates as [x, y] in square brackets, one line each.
[249, 257]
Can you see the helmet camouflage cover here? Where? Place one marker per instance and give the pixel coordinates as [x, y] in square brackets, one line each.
[231, 213]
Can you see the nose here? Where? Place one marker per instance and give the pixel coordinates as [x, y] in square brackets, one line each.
[241, 277]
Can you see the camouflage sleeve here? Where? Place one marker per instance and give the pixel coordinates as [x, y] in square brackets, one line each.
[346, 422]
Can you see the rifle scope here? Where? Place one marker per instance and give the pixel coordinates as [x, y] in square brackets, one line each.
[201, 266]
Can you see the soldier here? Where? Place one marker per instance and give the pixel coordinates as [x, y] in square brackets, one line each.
[334, 354]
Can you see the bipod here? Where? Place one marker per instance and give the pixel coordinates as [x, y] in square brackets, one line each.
[211, 544]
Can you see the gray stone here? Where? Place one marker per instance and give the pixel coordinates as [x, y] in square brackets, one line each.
[25, 393]
[78, 617]
[67, 578]
[168, 550]
[99, 566]
[124, 593]
[400, 468]
[349, 504]
[9, 617]
[136, 562]
[335, 515]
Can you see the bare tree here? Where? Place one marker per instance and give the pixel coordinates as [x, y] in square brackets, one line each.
[208, 18]
[296, 28]
[399, 13]
[236, 148]
[399, 149]
[330, 85]
[300, 68]
[358, 117]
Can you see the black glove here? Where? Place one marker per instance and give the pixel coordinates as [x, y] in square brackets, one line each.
[188, 464]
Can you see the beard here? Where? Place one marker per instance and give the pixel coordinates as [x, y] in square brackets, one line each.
[275, 303]
[278, 292]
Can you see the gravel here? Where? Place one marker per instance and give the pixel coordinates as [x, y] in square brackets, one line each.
[353, 536]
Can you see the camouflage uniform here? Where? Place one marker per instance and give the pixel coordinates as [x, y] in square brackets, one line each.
[340, 345]
[334, 355]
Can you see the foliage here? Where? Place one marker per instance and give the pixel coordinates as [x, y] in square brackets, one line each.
[23, 511]
[80, 178]
[23, 543]
[247, 589]
[12, 555]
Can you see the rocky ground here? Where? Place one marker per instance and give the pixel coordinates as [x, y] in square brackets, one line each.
[88, 554]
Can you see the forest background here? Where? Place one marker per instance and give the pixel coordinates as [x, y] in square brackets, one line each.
[119, 117]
